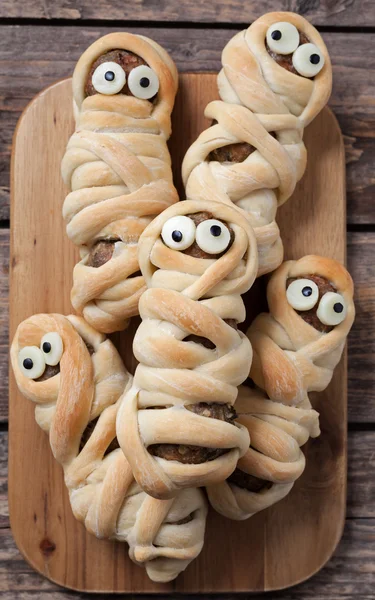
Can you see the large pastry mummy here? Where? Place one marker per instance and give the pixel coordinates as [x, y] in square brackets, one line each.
[118, 169]
[296, 348]
[76, 377]
[276, 78]
[197, 258]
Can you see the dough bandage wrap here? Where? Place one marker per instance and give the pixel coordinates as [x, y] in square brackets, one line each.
[291, 359]
[118, 169]
[104, 496]
[188, 296]
[267, 107]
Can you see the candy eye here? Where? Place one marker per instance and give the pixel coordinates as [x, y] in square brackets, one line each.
[302, 294]
[178, 232]
[212, 236]
[52, 348]
[331, 309]
[109, 78]
[31, 362]
[283, 38]
[308, 60]
[143, 82]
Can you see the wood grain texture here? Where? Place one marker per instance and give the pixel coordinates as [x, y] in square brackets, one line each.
[349, 574]
[19, 580]
[361, 372]
[41, 263]
[321, 12]
[32, 57]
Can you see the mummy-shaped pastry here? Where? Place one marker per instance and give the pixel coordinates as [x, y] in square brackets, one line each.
[176, 423]
[75, 377]
[276, 78]
[118, 169]
[296, 348]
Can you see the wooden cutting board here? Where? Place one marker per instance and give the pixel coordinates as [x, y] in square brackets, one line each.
[278, 547]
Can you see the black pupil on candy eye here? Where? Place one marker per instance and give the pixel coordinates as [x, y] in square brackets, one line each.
[176, 236]
[46, 347]
[215, 230]
[109, 76]
[307, 291]
[276, 35]
[28, 363]
[338, 307]
[315, 59]
[144, 82]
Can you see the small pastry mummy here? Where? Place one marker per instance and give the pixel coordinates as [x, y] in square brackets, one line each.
[76, 377]
[276, 77]
[176, 423]
[296, 347]
[118, 170]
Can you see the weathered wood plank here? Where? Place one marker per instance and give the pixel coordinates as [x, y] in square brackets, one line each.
[361, 250]
[323, 12]
[349, 574]
[32, 57]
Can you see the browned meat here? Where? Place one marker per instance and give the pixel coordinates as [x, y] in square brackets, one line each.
[235, 153]
[310, 316]
[196, 454]
[249, 482]
[127, 60]
[194, 250]
[285, 60]
[101, 253]
[49, 371]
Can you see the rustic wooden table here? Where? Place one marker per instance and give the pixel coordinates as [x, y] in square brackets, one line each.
[40, 41]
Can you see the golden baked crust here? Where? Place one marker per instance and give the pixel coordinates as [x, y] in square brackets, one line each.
[291, 359]
[188, 295]
[267, 107]
[118, 170]
[77, 408]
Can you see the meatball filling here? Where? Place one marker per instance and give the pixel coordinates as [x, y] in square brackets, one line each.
[101, 253]
[310, 316]
[49, 371]
[126, 60]
[286, 60]
[249, 482]
[194, 250]
[234, 153]
[196, 455]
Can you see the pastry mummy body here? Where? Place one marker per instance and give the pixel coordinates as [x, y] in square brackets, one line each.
[118, 170]
[276, 77]
[296, 347]
[176, 424]
[76, 377]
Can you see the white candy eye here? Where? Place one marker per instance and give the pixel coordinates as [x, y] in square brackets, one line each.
[52, 348]
[31, 362]
[143, 82]
[109, 78]
[331, 309]
[178, 232]
[308, 60]
[302, 294]
[212, 236]
[283, 38]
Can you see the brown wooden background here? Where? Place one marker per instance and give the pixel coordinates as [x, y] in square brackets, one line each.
[40, 40]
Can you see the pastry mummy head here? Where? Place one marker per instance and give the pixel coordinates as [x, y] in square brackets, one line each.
[199, 248]
[283, 57]
[121, 73]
